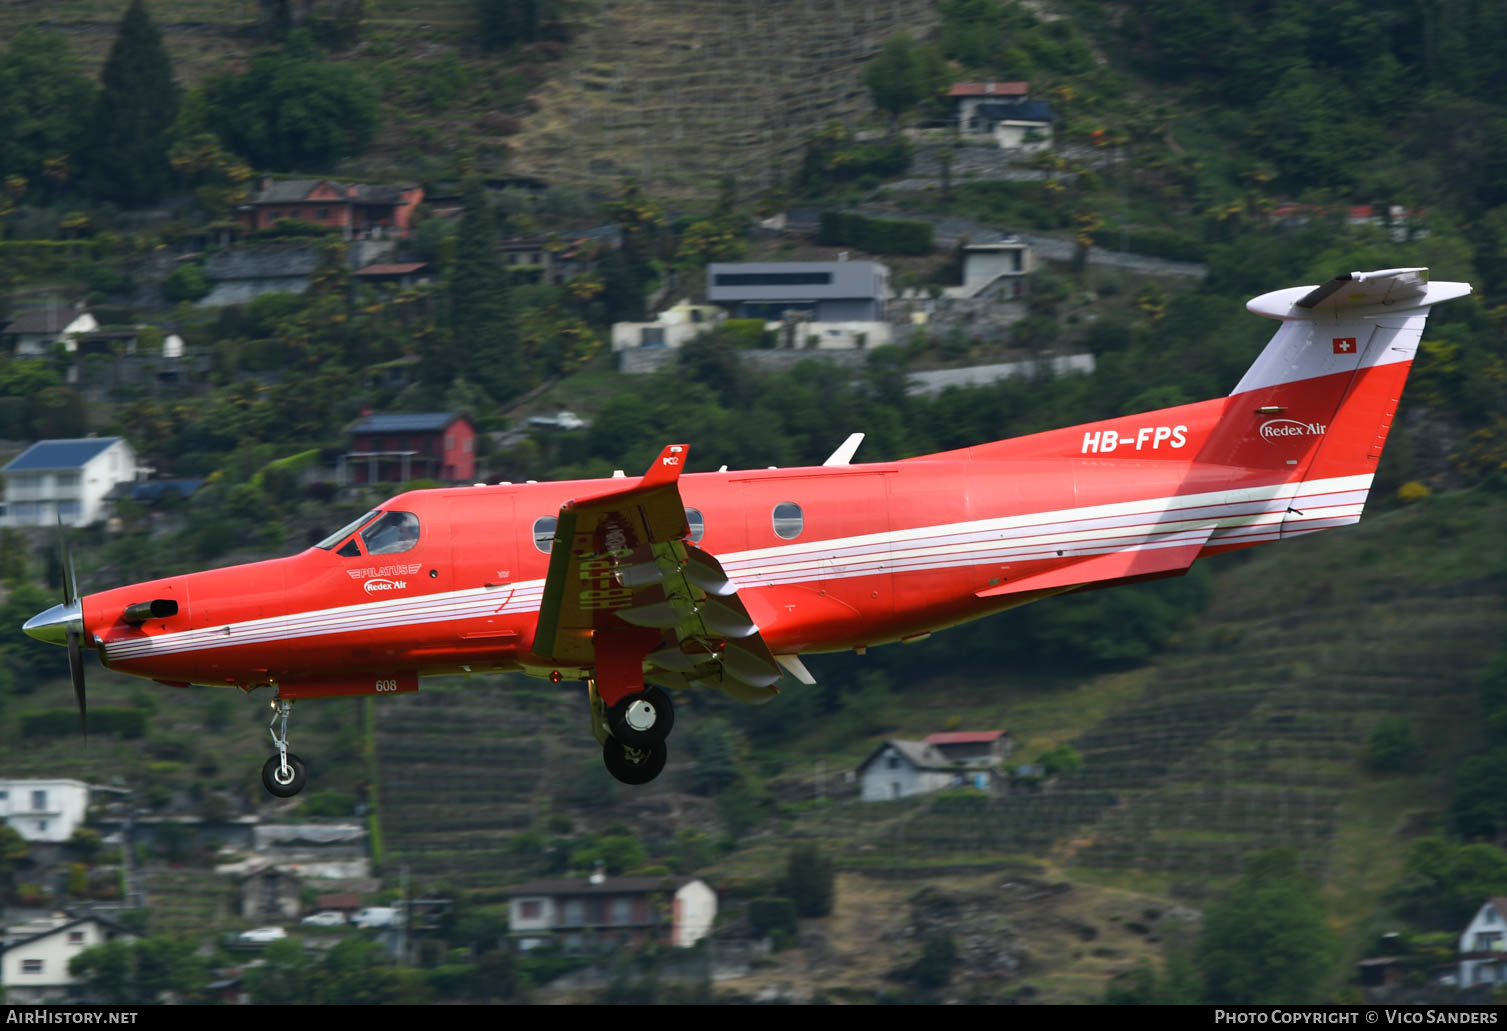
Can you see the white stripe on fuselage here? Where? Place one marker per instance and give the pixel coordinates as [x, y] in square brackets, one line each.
[1239, 515]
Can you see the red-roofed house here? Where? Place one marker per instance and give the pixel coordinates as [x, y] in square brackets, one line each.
[361, 209]
[406, 273]
[967, 97]
[981, 747]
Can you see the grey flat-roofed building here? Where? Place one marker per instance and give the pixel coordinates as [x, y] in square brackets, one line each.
[832, 291]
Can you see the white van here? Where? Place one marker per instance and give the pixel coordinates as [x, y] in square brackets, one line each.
[376, 916]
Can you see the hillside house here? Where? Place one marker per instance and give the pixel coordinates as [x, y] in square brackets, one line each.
[34, 967]
[1005, 111]
[399, 274]
[396, 448]
[672, 328]
[1483, 946]
[270, 893]
[973, 747]
[65, 479]
[44, 810]
[825, 291]
[1001, 269]
[359, 210]
[599, 913]
[36, 331]
[899, 769]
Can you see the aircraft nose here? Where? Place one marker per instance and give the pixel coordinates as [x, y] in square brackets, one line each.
[53, 625]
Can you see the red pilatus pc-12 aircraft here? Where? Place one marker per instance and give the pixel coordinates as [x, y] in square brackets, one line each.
[725, 579]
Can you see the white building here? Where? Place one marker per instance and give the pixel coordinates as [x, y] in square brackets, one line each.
[670, 328]
[44, 810]
[1001, 268]
[899, 769]
[37, 331]
[588, 915]
[67, 478]
[1483, 946]
[34, 966]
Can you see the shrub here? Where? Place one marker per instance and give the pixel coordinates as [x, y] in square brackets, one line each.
[874, 235]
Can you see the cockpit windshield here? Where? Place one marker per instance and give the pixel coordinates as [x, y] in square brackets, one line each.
[393, 533]
[345, 531]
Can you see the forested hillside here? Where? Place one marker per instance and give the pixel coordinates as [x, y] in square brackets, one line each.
[1340, 697]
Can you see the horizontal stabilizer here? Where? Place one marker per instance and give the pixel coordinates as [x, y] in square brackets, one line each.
[1146, 560]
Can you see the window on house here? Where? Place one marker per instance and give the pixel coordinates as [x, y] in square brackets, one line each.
[531, 910]
[39, 800]
[622, 911]
[449, 442]
[788, 520]
[894, 762]
[575, 913]
[31, 966]
[544, 533]
[75, 937]
[696, 522]
[1488, 941]
[324, 213]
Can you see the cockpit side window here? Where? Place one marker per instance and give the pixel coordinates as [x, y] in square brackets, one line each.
[395, 532]
[345, 531]
[351, 549]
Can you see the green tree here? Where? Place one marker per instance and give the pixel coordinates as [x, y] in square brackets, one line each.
[45, 100]
[1266, 941]
[126, 159]
[483, 332]
[810, 881]
[894, 78]
[293, 109]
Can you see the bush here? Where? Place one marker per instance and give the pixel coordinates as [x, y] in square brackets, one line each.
[186, 283]
[771, 914]
[874, 235]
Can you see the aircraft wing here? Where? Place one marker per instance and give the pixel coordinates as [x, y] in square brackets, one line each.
[621, 561]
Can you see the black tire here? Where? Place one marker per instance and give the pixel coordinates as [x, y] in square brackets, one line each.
[634, 765]
[272, 769]
[664, 718]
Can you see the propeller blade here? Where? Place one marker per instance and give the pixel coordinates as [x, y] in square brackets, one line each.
[76, 669]
[70, 582]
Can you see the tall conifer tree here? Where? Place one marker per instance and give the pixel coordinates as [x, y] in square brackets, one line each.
[126, 157]
[485, 347]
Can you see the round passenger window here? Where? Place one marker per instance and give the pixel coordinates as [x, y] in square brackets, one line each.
[544, 533]
[788, 520]
[696, 522]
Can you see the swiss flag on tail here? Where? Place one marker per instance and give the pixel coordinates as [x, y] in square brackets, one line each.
[1344, 345]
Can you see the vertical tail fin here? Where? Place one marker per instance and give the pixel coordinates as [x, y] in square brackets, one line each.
[1318, 402]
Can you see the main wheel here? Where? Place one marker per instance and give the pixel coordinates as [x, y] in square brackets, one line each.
[284, 783]
[633, 765]
[644, 719]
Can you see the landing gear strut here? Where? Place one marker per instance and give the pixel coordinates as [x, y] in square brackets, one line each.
[284, 774]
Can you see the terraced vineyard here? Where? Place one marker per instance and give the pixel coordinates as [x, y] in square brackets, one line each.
[463, 768]
[1253, 733]
[185, 901]
[681, 92]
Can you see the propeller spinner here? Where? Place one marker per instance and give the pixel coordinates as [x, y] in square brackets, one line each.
[64, 624]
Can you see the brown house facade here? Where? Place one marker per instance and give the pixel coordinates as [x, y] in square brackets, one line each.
[359, 209]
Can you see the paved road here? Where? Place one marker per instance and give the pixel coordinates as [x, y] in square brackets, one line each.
[948, 231]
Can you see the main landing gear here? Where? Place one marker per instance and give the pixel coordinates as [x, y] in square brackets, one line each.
[284, 774]
[633, 732]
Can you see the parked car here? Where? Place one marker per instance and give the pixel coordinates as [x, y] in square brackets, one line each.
[327, 918]
[263, 935]
[376, 916]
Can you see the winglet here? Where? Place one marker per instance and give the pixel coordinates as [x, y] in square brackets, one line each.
[844, 453]
[667, 467]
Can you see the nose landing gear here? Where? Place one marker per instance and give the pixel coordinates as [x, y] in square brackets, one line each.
[284, 774]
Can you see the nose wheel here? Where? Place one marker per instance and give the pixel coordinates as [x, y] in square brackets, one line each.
[284, 774]
[644, 719]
